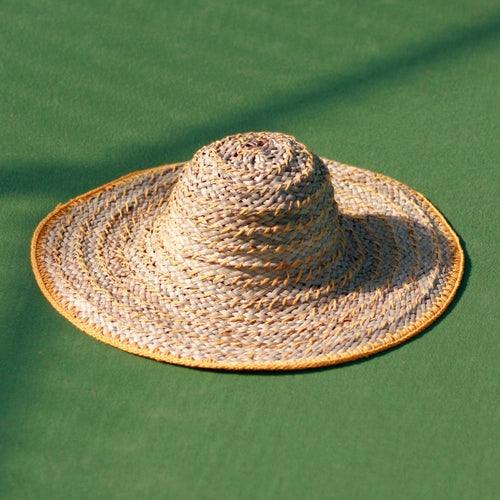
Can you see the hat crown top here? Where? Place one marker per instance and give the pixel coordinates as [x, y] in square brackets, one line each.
[251, 201]
[256, 168]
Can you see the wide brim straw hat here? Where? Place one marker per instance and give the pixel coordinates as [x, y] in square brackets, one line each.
[255, 254]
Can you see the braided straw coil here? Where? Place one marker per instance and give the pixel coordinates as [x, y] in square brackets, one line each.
[255, 254]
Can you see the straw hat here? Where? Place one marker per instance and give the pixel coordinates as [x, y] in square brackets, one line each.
[255, 254]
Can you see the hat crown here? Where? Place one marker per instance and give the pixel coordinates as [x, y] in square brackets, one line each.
[255, 202]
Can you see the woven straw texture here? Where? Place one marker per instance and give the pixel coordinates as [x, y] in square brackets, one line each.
[256, 254]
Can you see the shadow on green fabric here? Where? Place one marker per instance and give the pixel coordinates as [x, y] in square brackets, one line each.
[18, 177]
[54, 179]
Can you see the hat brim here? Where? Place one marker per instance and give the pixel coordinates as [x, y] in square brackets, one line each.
[405, 267]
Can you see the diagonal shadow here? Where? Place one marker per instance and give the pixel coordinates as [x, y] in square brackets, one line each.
[54, 178]
[444, 46]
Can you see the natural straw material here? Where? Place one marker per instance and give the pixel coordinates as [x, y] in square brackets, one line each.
[256, 254]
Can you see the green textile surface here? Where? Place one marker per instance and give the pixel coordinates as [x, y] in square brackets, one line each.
[93, 90]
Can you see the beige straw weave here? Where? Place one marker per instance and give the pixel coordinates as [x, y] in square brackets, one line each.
[256, 254]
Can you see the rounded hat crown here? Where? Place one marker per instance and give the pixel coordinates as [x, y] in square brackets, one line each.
[255, 202]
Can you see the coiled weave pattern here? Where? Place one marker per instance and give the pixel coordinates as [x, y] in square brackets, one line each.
[255, 254]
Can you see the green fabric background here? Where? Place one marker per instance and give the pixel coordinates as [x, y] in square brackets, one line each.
[93, 90]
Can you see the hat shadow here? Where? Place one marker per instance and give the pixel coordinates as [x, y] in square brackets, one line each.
[379, 224]
[392, 248]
